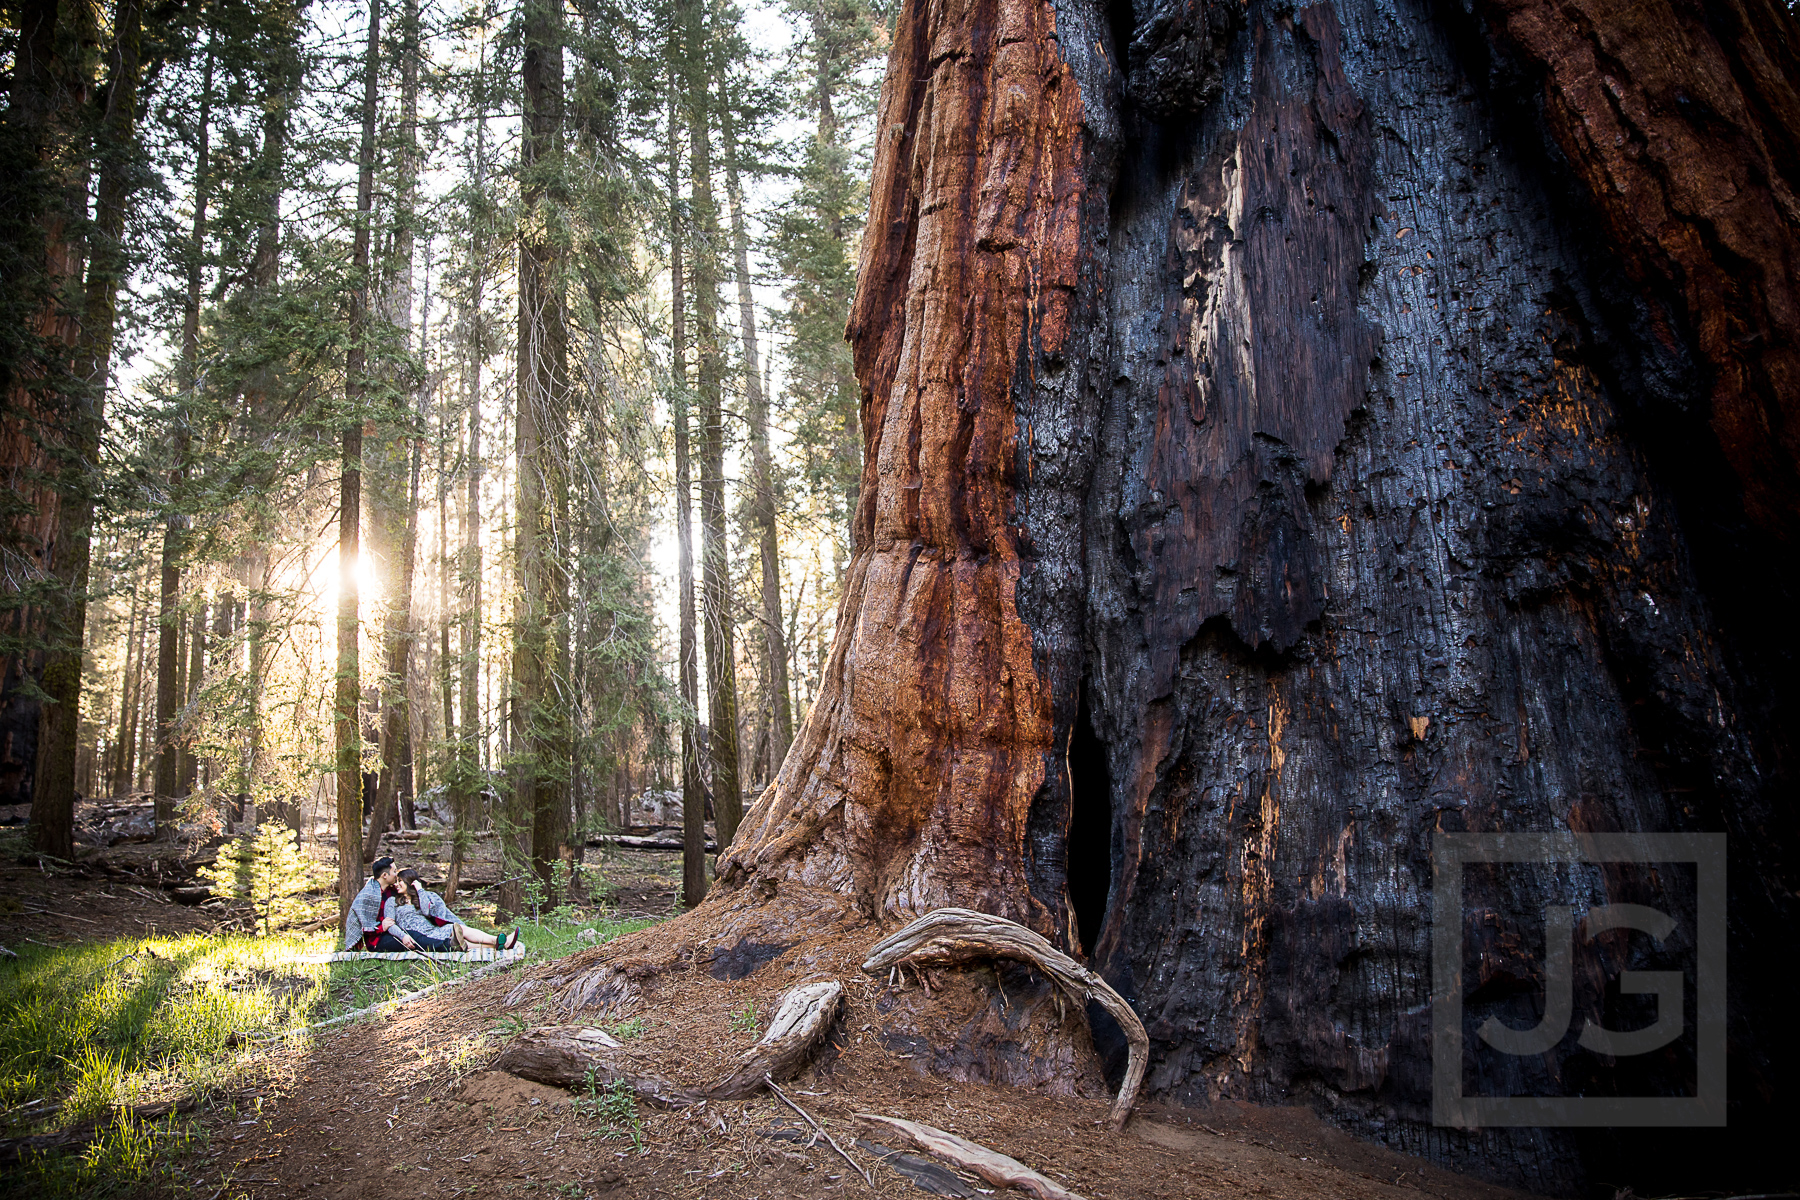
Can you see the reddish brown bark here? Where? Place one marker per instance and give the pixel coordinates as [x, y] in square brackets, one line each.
[912, 780]
[1682, 120]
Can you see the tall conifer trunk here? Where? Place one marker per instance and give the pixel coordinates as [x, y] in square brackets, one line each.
[693, 789]
[774, 639]
[348, 725]
[175, 522]
[715, 569]
[468, 781]
[59, 718]
[540, 715]
[253, 565]
[47, 117]
[393, 507]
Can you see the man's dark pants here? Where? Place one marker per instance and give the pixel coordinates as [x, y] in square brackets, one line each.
[390, 942]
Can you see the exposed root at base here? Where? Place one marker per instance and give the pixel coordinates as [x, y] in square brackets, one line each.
[572, 1056]
[991, 1165]
[958, 936]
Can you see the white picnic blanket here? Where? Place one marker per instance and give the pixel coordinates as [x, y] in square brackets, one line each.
[478, 954]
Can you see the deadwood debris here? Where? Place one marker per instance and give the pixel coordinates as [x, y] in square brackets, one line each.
[573, 1056]
[990, 1165]
[960, 936]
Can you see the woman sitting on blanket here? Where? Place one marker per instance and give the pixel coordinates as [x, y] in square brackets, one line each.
[428, 916]
[373, 922]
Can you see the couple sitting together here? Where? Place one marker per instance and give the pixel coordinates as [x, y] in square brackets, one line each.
[378, 920]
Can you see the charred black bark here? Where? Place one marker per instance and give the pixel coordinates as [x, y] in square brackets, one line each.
[1285, 401]
[1387, 534]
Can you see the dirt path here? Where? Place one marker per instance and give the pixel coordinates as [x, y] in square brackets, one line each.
[407, 1102]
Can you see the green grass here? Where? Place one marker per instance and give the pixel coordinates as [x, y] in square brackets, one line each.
[613, 1105]
[84, 1029]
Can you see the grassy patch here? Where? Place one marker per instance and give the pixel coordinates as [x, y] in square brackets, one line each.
[85, 1029]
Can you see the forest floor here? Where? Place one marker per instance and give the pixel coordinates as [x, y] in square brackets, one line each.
[406, 1100]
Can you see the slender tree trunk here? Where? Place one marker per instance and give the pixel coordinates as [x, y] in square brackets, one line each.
[393, 493]
[282, 81]
[404, 779]
[721, 665]
[59, 719]
[135, 757]
[541, 730]
[827, 64]
[348, 726]
[775, 679]
[119, 766]
[181, 690]
[408, 781]
[168, 650]
[196, 678]
[446, 679]
[470, 746]
[693, 789]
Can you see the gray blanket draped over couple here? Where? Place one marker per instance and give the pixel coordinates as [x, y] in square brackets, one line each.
[378, 920]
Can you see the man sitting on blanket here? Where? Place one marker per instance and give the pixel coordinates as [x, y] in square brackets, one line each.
[430, 916]
[373, 923]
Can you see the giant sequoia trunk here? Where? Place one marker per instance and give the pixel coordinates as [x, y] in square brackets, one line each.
[1293, 433]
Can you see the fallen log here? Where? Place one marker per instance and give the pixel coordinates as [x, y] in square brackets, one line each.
[958, 936]
[991, 1165]
[13, 1149]
[631, 842]
[384, 1005]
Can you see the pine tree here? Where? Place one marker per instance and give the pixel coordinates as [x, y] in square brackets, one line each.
[268, 869]
[59, 725]
[540, 719]
[356, 385]
[815, 248]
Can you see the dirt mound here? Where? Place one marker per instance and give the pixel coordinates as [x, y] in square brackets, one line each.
[427, 1112]
[497, 1093]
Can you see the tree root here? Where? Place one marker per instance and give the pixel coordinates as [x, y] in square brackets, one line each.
[800, 1023]
[818, 1129]
[603, 987]
[958, 936]
[573, 1057]
[570, 1056]
[994, 1167]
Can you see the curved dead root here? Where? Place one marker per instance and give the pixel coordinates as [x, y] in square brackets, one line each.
[958, 936]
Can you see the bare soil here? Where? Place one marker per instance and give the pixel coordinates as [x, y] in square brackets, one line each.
[410, 1101]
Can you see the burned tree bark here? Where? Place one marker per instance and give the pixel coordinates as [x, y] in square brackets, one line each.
[1293, 433]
